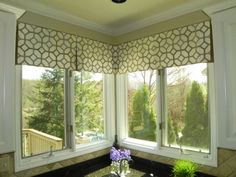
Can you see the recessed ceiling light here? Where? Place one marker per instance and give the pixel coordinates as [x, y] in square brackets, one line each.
[118, 1]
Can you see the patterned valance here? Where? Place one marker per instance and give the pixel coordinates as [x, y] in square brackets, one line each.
[94, 56]
[181, 46]
[49, 48]
[40, 46]
[45, 47]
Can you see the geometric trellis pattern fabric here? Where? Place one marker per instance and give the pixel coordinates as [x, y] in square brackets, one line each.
[94, 56]
[181, 46]
[115, 58]
[49, 48]
[45, 47]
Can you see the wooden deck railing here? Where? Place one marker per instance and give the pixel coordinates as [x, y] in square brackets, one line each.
[36, 142]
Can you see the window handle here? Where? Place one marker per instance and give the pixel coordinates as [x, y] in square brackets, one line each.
[161, 125]
[71, 128]
[50, 153]
[183, 151]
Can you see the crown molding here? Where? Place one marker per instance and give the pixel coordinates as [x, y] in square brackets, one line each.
[37, 8]
[112, 31]
[17, 11]
[220, 7]
[163, 16]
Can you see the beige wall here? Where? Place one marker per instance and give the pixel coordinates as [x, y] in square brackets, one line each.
[51, 23]
[226, 163]
[188, 19]
[43, 21]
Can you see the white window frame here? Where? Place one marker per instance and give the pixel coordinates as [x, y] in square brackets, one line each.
[73, 150]
[156, 147]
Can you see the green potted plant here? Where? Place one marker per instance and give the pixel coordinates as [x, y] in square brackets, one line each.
[184, 168]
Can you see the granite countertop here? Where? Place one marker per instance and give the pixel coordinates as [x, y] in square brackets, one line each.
[100, 167]
[105, 172]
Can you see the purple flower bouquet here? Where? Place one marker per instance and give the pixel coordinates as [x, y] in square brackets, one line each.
[120, 160]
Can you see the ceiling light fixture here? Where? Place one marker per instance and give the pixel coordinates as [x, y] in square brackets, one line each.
[118, 1]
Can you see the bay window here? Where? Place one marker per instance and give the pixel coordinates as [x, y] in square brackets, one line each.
[160, 108]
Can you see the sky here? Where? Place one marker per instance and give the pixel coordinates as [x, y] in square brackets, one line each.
[34, 73]
[194, 71]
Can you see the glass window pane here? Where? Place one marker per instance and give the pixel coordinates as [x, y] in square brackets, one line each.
[42, 110]
[142, 110]
[187, 107]
[89, 116]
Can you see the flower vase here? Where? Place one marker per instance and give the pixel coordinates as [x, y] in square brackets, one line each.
[120, 167]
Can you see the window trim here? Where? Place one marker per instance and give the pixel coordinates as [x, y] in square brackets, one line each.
[201, 158]
[73, 151]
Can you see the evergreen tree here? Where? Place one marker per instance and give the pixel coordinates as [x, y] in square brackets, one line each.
[48, 116]
[195, 128]
[137, 108]
[143, 116]
[88, 103]
[48, 100]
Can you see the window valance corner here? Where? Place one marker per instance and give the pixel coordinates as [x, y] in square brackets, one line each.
[40, 46]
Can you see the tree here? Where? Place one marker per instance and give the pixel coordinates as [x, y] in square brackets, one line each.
[178, 84]
[147, 78]
[142, 123]
[48, 100]
[27, 100]
[195, 128]
[48, 116]
[88, 103]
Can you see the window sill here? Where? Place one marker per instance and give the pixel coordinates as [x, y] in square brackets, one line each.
[153, 148]
[141, 145]
[44, 159]
[197, 157]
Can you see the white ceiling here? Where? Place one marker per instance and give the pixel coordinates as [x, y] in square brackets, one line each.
[107, 17]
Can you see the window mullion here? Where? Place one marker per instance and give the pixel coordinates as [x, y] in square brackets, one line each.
[159, 107]
[109, 106]
[69, 111]
[162, 107]
[126, 122]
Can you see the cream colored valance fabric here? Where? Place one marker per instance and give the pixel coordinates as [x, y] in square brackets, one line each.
[94, 56]
[181, 46]
[44, 47]
[49, 48]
